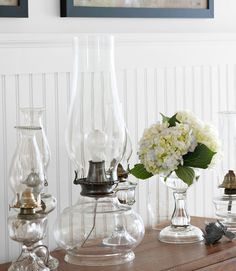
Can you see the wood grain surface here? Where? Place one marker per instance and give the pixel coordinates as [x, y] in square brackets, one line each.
[152, 255]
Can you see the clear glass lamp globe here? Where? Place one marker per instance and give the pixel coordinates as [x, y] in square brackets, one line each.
[97, 230]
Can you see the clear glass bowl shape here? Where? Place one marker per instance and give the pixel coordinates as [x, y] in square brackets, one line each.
[27, 231]
[99, 231]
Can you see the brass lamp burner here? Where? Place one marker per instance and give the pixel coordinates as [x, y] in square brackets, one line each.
[27, 203]
[229, 183]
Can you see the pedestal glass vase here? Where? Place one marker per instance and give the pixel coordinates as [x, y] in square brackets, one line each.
[180, 230]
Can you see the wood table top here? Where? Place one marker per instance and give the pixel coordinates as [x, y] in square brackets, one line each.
[152, 255]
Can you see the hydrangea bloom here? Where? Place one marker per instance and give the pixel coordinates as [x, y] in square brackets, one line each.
[203, 132]
[161, 147]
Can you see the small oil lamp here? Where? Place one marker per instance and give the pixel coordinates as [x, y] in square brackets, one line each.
[226, 204]
[27, 181]
[125, 190]
[33, 117]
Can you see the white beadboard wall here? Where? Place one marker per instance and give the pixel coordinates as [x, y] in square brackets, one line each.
[155, 73]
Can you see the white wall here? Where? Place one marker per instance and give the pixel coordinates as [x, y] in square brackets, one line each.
[156, 73]
[162, 71]
[44, 17]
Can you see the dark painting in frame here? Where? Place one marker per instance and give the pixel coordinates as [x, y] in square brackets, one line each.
[68, 9]
[18, 10]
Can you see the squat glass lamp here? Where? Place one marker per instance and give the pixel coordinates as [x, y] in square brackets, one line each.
[97, 230]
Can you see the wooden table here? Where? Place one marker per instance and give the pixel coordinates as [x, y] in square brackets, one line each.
[152, 255]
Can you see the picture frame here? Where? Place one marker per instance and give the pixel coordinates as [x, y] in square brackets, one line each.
[19, 10]
[68, 9]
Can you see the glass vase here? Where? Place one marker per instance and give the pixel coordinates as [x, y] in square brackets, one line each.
[180, 231]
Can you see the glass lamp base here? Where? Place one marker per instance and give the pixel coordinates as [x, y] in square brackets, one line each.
[181, 235]
[100, 260]
[229, 223]
[53, 263]
[226, 211]
[28, 262]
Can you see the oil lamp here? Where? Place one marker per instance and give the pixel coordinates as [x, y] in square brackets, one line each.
[33, 117]
[225, 199]
[125, 190]
[97, 230]
[27, 181]
[226, 204]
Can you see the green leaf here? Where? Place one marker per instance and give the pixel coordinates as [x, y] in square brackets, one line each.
[164, 118]
[140, 172]
[186, 174]
[200, 158]
[172, 120]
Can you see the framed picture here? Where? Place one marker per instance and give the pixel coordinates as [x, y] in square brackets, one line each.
[138, 8]
[13, 8]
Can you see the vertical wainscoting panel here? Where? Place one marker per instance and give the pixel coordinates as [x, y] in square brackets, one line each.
[145, 91]
[11, 138]
[3, 169]
[51, 126]
[162, 203]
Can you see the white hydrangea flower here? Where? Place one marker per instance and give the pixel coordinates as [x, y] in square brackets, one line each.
[161, 147]
[203, 132]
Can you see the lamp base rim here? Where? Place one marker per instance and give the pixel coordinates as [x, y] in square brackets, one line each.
[100, 260]
[181, 235]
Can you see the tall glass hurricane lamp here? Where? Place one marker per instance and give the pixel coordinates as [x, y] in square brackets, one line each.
[97, 230]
